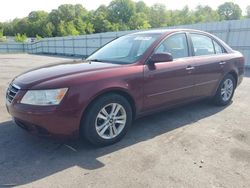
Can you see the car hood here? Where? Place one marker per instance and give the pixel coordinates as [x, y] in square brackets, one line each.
[50, 72]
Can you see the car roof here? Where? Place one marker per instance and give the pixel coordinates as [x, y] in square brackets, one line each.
[167, 31]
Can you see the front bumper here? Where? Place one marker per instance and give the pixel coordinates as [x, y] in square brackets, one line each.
[45, 120]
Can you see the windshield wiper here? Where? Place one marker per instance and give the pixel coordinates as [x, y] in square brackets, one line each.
[96, 60]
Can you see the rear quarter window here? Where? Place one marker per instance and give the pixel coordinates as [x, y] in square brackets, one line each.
[218, 49]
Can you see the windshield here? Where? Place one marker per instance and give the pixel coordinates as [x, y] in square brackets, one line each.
[124, 50]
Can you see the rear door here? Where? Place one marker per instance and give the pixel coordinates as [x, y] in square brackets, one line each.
[169, 83]
[208, 58]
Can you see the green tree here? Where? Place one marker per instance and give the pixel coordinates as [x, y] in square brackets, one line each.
[121, 11]
[21, 25]
[80, 11]
[48, 30]
[140, 6]
[38, 21]
[89, 28]
[139, 21]
[54, 17]
[38, 37]
[205, 14]
[66, 12]
[67, 28]
[229, 11]
[100, 20]
[248, 11]
[20, 37]
[2, 37]
[80, 26]
[8, 29]
[36, 16]
[183, 16]
[158, 16]
[1, 31]
[83, 27]
[70, 19]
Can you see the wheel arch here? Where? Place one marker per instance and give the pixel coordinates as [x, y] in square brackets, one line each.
[235, 75]
[119, 91]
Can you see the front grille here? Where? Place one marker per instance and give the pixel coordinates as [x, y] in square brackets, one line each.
[11, 92]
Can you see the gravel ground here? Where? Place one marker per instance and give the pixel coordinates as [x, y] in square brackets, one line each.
[198, 145]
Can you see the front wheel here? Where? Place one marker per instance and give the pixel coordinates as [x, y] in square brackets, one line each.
[107, 120]
[225, 91]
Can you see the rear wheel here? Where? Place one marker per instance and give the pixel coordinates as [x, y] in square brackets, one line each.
[107, 120]
[225, 91]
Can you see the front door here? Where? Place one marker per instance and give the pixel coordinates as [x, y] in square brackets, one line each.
[169, 83]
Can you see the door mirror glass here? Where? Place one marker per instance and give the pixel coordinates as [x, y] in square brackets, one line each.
[161, 57]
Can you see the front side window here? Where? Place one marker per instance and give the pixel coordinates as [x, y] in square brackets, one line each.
[176, 45]
[202, 44]
[124, 50]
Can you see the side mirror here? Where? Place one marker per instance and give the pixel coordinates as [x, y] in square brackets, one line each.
[161, 57]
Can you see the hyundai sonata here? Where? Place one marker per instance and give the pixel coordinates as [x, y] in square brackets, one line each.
[132, 76]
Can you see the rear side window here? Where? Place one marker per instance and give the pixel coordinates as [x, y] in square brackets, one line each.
[202, 44]
[176, 45]
[218, 48]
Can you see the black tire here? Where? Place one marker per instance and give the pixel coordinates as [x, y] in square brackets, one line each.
[218, 98]
[88, 128]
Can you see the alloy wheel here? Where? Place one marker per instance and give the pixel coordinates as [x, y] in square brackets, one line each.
[227, 89]
[110, 121]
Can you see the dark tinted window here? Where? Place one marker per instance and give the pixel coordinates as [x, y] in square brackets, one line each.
[202, 44]
[218, 48]
[176, 45]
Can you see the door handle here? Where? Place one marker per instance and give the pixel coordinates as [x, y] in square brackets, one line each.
[190, 68]
[222, 63]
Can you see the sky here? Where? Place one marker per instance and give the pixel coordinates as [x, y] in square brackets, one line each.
[11, 9]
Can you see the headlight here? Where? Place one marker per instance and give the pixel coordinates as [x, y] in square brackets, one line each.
[44, 97]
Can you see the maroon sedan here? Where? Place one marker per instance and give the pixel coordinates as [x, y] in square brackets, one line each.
[132, 76]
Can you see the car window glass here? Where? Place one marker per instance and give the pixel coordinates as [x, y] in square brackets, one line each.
[144, 44]
[122, 51]
[176, 45]
[218, 48]
[126, 49]
[203, 45]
